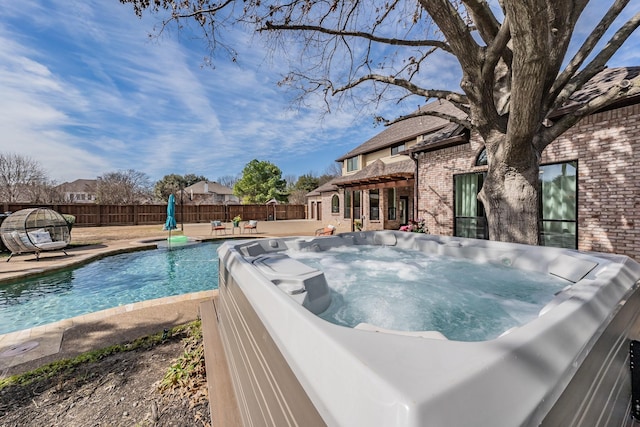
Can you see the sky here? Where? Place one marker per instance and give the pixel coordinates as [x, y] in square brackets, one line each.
[85, 91]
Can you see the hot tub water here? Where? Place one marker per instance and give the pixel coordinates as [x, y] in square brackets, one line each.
[407, 290]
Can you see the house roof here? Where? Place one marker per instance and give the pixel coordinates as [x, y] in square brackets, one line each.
[212, 187]
[409, 129]
[327, 187]
[598, 85]
[79, 186]
[439, 133]
[435, 128]
[379, 172]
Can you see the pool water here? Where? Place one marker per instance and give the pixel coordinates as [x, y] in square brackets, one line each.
[108, 282]
[410, 291]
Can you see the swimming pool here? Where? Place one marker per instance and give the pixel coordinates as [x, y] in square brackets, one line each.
[109, 282]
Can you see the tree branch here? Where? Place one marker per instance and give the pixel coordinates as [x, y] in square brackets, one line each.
[584, 51]
[269, 26]
[455, 98]
[599, 62]
[569, 120]
[496, 50]
[420, 113]
[487, 24]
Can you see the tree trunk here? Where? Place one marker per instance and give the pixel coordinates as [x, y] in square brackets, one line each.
[510, 191]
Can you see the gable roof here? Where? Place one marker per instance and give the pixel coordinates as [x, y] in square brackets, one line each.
[409, 129]
[78, 186]
[379, 172]
[211, 188]
[327, 187]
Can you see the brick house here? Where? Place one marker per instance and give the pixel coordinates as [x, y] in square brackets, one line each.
[590, 178]
[377, 183]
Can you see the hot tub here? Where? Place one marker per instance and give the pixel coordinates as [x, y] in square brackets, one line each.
[567, 366]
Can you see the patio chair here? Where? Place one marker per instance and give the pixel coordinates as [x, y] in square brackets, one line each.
[218, 227]
[251, 225]
[329, 230]
[33, 231]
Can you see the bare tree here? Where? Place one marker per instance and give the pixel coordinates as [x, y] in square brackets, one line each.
[514, 63]
[17, 174]
[43, 192]
[123, 188]
[228, 180]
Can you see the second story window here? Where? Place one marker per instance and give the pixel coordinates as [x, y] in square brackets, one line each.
[352, 164]
[397, 149]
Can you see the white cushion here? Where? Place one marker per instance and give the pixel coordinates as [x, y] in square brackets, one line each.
[39, 236]
[52, 246]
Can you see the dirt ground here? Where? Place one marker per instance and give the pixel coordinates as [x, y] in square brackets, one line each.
[121, 389]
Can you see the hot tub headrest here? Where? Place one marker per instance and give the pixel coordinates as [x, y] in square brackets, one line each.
[571, 268]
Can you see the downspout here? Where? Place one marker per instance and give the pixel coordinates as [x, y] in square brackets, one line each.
[416, 198]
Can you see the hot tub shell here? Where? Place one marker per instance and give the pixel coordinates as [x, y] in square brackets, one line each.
[290, 367]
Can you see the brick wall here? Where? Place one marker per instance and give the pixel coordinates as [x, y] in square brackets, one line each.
[607, 147]
[435, 183]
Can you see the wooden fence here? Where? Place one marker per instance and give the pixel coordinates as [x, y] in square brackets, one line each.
[92, 215]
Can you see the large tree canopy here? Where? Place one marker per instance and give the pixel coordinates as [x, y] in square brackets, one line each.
[261, 181]
[513, 59]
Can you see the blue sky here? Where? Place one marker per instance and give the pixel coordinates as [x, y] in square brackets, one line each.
[85, 91]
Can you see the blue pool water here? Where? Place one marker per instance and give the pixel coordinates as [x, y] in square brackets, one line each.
[109, 282]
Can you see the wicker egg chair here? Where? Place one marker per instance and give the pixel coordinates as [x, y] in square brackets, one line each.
[35, 230]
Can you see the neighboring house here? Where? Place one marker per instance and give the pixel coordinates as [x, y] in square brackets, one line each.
[79, 191]
[210, 193]
[589, 177]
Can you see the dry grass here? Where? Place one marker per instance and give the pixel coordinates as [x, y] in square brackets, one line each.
[95, 235]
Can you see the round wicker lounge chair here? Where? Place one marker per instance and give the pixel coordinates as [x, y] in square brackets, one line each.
[35, 230]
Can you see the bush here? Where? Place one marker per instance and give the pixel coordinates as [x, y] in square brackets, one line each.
[70, 219]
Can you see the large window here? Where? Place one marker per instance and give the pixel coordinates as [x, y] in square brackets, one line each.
[391, 204]
[352, 164]
[352, 197]
[470, 219]
[374, 205]
[335, 204]
[357, 204]
[558, 199]
[558, 206]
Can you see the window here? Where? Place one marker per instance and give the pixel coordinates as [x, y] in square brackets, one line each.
[374, 205]
[357, 205]
[558, 199]
[397, 149]
[391, 204]
[347, 204]
[482, 158]
[352, 164]
[335, 204]
[469, 220]
[558, 206]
